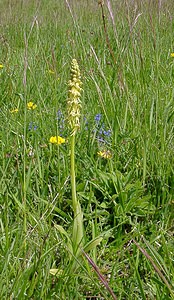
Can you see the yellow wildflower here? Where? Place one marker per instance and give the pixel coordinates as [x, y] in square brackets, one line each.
[1, 66]
[51, 71]
[15, 110]
[31, 105]
[172, 54]
[57, 140]
[105, 154]
[74, 103]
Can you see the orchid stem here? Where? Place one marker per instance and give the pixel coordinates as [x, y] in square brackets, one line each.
[78, 216]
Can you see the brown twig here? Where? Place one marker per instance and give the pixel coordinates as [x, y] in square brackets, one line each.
[101, 277]
[160, 274]
[101, 3]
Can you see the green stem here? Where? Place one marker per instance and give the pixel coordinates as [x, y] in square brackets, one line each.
[73, 178]
[24, 186]
[24, 141]
[78, 216]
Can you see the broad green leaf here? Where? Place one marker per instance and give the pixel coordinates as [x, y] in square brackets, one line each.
[56, 272]
[93, 243]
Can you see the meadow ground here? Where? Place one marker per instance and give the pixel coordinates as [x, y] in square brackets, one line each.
[124, 150]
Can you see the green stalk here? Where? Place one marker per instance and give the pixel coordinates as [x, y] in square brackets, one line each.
[73, 177]
[78, 216]
[73, 117]
[24, 202]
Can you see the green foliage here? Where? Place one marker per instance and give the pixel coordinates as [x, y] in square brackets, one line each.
[127, 114]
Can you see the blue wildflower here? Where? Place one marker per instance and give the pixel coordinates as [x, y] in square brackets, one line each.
[107, 132]
[102, 134]
[85, 122]
[59, 115]
[98, 118]
[32, 126]
[61, 120]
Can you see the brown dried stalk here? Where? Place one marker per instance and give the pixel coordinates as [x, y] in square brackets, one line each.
[160, 274]
[101, 3]
[101, 277]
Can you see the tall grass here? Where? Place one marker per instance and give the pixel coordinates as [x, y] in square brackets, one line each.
[123, 49]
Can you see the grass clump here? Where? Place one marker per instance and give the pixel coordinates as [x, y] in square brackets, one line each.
[123, 150]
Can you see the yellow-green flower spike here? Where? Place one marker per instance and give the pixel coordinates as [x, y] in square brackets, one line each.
[74, 93]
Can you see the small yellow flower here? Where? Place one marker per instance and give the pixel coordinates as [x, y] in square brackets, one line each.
[105, 154]
[1, 66]
[31, 105]
[172, 54]
[51, 71]
[57, 140]
[15, 110]
[34, 106]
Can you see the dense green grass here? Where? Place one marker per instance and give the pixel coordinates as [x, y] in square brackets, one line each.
[126, 199]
